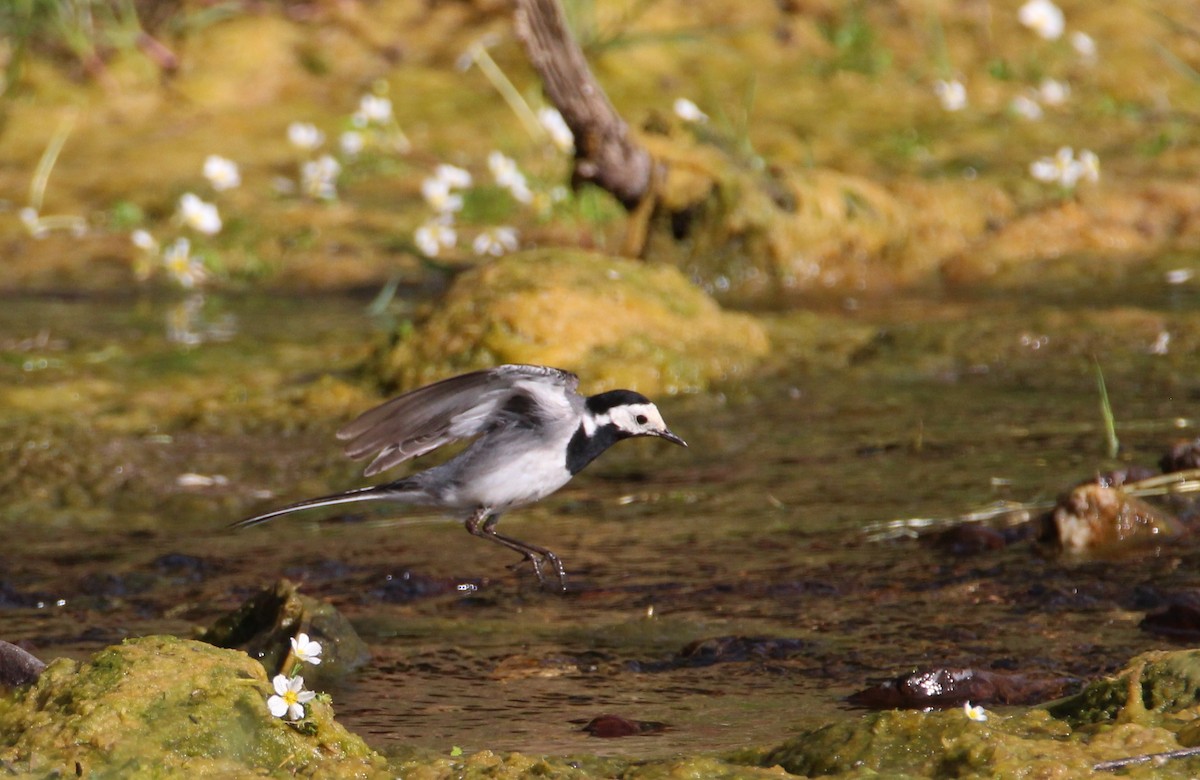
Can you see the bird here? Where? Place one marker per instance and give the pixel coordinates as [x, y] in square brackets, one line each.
[532, 432]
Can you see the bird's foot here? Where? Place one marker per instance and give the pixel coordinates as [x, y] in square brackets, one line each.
[538, 560]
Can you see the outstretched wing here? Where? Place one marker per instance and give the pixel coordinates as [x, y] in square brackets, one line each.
[461, 407]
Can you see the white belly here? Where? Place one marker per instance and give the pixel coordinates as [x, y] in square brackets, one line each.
[511, 483]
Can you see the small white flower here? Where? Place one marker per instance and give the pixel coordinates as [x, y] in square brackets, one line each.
[1054, 92]
[1025, 107]
[1083, 45]
[1043, 17]
[143, 240]
[1053, 169]
[1089, 166]
[1179, 275]
[495, 241]
[952, 94]
[508, 175]
[520, 191]
[305, 649]
[186, 270]
[455, 177]
[221, 173]
[1162, 344]
[375, 109]
[689, 111]
[318, 178]
[439, 196]
[305, 136]
[432, 237]
[351, 143]
[198, 215]
[290, 697]
[556, 126]
[977, 712]
[1065, 170]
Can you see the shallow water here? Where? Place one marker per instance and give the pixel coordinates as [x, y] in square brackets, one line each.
[925, 406]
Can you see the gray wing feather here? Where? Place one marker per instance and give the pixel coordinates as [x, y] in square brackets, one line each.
[461, 407]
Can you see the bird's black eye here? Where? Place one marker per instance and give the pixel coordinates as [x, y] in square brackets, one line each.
[641, 419]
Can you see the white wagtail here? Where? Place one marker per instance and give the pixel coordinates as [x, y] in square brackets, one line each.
[533, 431]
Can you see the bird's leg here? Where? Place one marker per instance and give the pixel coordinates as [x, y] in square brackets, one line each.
[483, 524]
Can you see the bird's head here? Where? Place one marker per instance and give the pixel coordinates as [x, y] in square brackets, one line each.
[631, 414]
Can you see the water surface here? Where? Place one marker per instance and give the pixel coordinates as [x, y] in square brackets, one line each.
[137, 429]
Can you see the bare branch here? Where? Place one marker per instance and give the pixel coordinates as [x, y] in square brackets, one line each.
[604, 152]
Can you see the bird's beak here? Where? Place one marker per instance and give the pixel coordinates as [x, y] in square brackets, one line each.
[665, 434]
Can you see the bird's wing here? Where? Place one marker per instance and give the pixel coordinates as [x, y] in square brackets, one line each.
[461, 407]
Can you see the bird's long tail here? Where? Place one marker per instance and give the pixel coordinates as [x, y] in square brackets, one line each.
[392, 492]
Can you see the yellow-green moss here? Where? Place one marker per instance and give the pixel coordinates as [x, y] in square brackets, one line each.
[617, 322]
[161, 706]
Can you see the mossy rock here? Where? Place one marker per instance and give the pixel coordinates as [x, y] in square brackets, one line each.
[616, 322]
[1032, 743]
[264, 625]
[1151, 684]
[166, 707]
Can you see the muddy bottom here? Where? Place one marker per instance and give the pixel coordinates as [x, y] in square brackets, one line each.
[735, 591]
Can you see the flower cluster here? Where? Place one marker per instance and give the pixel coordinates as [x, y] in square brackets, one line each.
[1065, 169]
[443, 192]
[290, 696]
[195, 215]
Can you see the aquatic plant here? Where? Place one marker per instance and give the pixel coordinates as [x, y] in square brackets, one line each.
[289, 698]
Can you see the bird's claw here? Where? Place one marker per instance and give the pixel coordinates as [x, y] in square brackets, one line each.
[538, 560]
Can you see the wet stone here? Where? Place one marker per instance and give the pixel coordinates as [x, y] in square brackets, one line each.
[614, 726]
[265, 624]
[18, 666]
[1093, 517]
[941, 687]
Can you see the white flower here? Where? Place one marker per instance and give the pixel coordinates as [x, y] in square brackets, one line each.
[1083, 45]
[689, 111]
[455, 177]
[351, 143]
[1089, 166]
[290, 698]
[375, 109]
[508, 175]
[504, 169]
[1056, 168]
[198, 215]
[439, 196]
[556, 126]
[305, 649]
[952, 94]
[1065, 170]
[1179, 275]
[1025, 107]
[188, 271]
[1043, 17]
[975, 713]
[318, 178]
[143, 240]
[495, 241]
[221, 173]
[434, 236]
[305, 136]
[1054, 92]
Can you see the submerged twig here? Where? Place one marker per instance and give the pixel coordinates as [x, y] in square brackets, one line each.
[1157, 758]
[1018, 512]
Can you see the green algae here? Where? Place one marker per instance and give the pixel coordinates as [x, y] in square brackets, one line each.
[160, 706]
[618, 322]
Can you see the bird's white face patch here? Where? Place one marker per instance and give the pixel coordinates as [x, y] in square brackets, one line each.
[636, 419]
